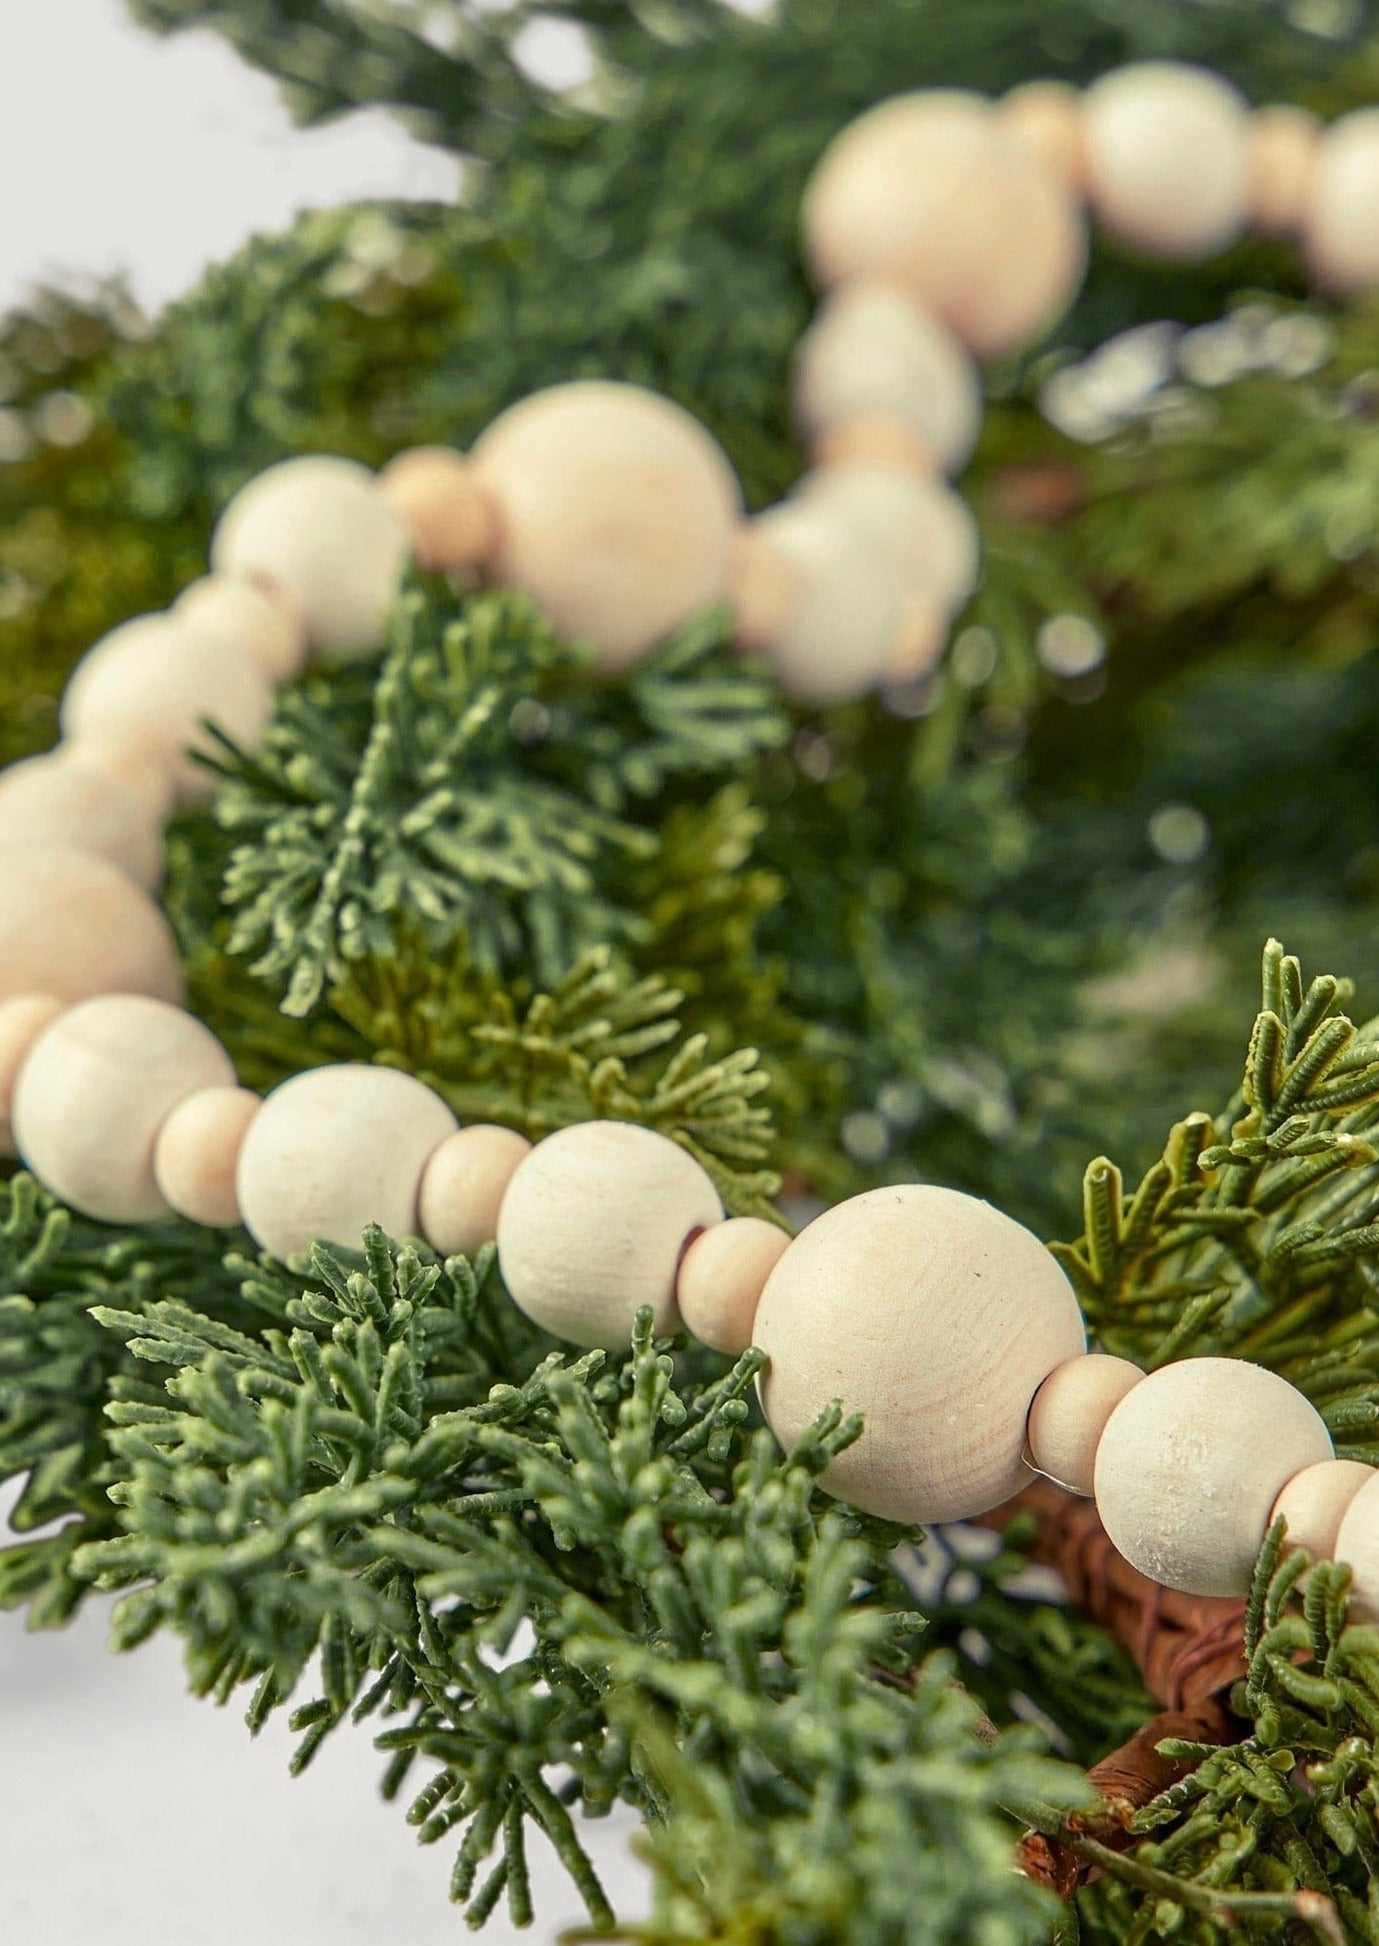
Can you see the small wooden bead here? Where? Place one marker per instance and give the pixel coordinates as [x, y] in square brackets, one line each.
[464, 1186]
[927, 531]
[94, 1092]
[450, 516]
[262, 622]
[1314, 1503]
[1191, 1463]
[765, 587]
[321, 528]
[1282, 156]
[197, 1153]
[617, 512]
[1357, 1544]
[1167, 158]
[335, 1149]
[837, 635]
[1070, 1412]
[51, 800]
[918, 649]
[938, 1319]
[73, 926]
[150, 780]
[151, 684]
[872, 355]
[873, 441]
[22, 1020]
[1341, 234]
[927, 192]
[721, 1279]
[593, 1226]
[1046, 117]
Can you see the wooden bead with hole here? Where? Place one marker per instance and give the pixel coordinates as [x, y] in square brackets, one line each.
[1167, 159]
[1070, 1412]
[197, 1153]
[1315, 1501]
[722, 1276]
[450, 516]
[464, 1185]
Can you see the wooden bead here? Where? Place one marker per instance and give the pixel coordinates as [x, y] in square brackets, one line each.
[765, 587]
[721, 1279]
[927, 531]
[617, 512]
[73, 926]
[1357, 1544]
[936, 1317]
[1046, 118]
[151, 685]
[22, 1020]
[94, 1092]
[263, 623]
[836, 636]
[593, 1226]
[321, 528]
[464, 1185]
[1070, 1412]
[873, 441]
[335, 1149]
[927, 192]
[1191, 1463]
[51, 800]
[918, 649]
[1315, 1501]
[874, 355]
[1283, 151]
[197, 1153]
[1341, 234]
[1167, 164]
[450, 516]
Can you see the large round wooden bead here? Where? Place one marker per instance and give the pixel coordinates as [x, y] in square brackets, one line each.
[196, 1155]
[938, 1319]
[1191, 1463]
[94, 1092]
[928, 192]
[1167, 158]
[1341, 234]
[22, 1020]
[832, 641]
[1284, 150]
[593, 1227]
[336, 1149]
[52, 800]
[1357, 1544]
[1315, 1502]
[72, 925]
[872, 352]
[152, 684]
[722, 1277]
[259, 621]
[323, 529]
[927, 532]
[450, 516]
[464, 1186]
[616, 511]
[1070, 1412]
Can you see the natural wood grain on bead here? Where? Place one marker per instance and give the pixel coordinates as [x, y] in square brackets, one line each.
[765, 588]
[1191, 1463]
[593, 1226]
[1315, 1501]
[617, 512]
[22, 1020]
[197, 1152]
[321, 528]
[1283, 151]
[262, 622]
[927, 531]
[94, 1092]
[1357, 1544]
[450, 516]
[1166, 158]
[464, 1185]
[1070, 1412]
[840, 629]
[1047, 118]
[335, 1149]
[72, 925]
[722, 1276]
[51, 800]
[938, 1319]
[1341, 232]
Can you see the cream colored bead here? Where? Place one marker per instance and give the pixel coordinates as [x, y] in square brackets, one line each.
[873, 442]
[197, 1153]
[1191, 1463]
[1357, 1544]
[150, 780]
[1282, 157]
[262, 622]
[1341, 234]
[766, 587]
[721, 1279]
[51, 800]
[1314, 1503]
[836, 636]
[94, 1092]
[918, 649]
[336, 1149]
[872, 354]
[449, 514]
[1070, 1412]
[464, 1185]
[926, 191]
[151, 684]
[593, 1226]
[926, 531]
[1046, 117]
[22, 1020]
[938, 1319]
[1167, 158]
[73, 926]
[321, 528]
[617, 512]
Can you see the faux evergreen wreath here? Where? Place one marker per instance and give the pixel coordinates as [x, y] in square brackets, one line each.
[1002, 924]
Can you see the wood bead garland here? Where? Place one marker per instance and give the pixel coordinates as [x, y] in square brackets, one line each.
[1315, 1502]
[196, 1155]
[1167, 163]
[259, 621]
[54, 800]
[463, 1187]
[73, 925]
[722, 1277]
[450, 517]
[22, 1020]
[1070, 1412]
